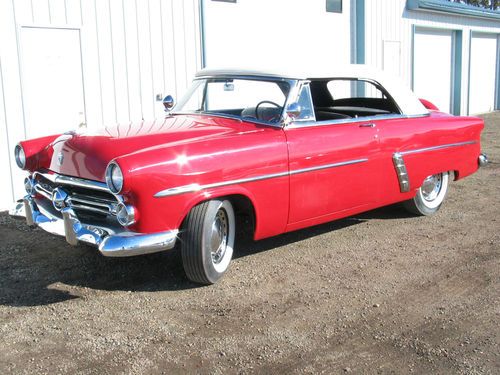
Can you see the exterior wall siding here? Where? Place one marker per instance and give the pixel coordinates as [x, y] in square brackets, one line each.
[131, 51]
[390, 20]
[276, 34]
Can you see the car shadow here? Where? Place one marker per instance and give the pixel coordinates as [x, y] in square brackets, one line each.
[37, 268]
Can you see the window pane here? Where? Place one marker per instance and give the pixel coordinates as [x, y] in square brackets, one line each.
[334, 6]
[305, 103]
[340, 89]
[238, 94]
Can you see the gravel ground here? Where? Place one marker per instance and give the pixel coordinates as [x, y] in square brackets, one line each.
[382, 292]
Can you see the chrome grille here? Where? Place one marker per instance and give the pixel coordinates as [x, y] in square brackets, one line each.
[84, 196]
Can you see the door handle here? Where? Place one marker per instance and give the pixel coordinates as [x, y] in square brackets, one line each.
[367, 125]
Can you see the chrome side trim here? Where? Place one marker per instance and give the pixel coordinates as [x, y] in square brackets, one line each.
[434, 148]
[400, 166]
[109, 242]
[404, 180]
[197, 187]
[396, 116]
[74, 181]
[326, 166]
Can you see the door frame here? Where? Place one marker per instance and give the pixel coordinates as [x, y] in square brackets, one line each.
[21, 55]
[496, 99]
[456, 63]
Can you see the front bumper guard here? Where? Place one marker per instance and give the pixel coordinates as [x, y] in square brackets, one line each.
[109, 242]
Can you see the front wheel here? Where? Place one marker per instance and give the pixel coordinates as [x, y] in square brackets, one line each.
[208, 240]
[429, 196]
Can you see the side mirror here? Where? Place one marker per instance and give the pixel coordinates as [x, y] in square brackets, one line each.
[293, 111]
[168, 102]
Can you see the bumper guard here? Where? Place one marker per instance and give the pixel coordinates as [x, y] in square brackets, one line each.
[109, 242]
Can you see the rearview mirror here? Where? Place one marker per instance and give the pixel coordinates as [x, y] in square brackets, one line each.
[168, 102]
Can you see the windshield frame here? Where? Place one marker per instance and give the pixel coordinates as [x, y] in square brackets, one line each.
[292, 89]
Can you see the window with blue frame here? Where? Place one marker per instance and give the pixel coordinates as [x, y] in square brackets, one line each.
[334, 6]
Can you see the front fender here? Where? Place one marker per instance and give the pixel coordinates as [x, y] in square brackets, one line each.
[228, 160]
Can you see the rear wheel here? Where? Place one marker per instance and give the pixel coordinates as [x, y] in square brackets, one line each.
[208, 240]
[429, 196]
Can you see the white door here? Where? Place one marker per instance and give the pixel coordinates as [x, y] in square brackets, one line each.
[482, 78]
[53, 95]
[432, 64]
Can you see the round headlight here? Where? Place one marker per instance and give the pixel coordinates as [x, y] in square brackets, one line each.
[20, 156]
[114, 178]
[125, 214]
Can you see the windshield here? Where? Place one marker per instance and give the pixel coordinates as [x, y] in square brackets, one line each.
[251, 99]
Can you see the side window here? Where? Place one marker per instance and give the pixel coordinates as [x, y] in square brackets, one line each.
[342, 89]
[305, 103]
[344, 98]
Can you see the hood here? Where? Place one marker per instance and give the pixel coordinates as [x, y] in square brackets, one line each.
[87, 155]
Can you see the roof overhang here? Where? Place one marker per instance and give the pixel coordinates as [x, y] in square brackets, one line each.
[448, 7]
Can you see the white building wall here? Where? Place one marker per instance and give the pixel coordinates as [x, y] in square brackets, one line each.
[389, 20]
[275, 34]
[131, 51]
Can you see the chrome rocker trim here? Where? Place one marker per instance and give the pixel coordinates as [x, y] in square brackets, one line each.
[109, 242]
[197, 187]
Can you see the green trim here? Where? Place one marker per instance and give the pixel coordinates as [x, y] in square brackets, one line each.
[457, 72]
[454, 8]
[360, 32]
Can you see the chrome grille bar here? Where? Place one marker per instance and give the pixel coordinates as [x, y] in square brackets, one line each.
[44, 184]
[74, 181]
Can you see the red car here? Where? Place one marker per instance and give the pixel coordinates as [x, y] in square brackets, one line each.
[267, 152]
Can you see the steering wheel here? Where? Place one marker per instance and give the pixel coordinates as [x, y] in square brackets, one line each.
[265, 102]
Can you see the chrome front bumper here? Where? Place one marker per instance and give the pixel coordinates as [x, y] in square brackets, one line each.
[110, 242]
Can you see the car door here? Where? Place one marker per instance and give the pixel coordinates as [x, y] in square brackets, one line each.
[333, 169]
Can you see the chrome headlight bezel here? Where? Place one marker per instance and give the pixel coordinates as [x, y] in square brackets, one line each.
[125, 214]
[20, 156]
[114, 178]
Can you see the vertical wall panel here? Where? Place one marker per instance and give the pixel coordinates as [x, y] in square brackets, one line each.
[41, 12]
[133, 63]
[13, 106]
[119, 61]
[58, 15]
[142, 24]
[6, 188]
[169, 49]
[73, 12]
[131, 50]
[155, 33]
[106, 60]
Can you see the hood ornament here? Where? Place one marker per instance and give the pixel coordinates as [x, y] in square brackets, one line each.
[60, 158]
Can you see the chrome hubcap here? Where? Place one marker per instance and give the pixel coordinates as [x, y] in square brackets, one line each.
[431, 187]
[218, 237]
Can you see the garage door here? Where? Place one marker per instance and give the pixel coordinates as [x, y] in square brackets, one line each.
[432, 66]
[482, 78]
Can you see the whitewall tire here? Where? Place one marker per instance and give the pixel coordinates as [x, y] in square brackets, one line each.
[208, 241]
[430, 195]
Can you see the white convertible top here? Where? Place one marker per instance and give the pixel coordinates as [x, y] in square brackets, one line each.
[404, 97]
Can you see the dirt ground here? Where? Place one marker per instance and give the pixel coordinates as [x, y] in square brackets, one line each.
[382, 292]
